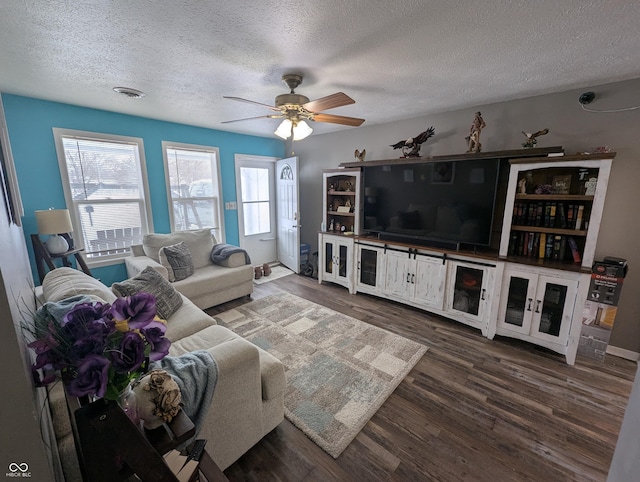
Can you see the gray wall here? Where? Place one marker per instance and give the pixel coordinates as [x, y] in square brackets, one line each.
[570, 127]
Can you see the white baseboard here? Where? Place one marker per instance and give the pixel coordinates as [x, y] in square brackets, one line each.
[622, 353]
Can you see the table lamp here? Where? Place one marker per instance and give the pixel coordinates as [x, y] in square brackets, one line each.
[54, 222]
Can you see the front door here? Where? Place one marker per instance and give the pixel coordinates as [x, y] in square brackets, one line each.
[256, 194]
[288, 210]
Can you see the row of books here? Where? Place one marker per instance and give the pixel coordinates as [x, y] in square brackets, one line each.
[544, 246]
[550, 214]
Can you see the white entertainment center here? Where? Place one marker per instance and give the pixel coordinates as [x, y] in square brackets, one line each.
[528, 285]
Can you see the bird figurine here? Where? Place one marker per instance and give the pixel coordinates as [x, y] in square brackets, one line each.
[532, 138]
[360, 155]
[411, 147]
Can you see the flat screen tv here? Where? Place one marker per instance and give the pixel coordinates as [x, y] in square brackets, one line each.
[432, 203]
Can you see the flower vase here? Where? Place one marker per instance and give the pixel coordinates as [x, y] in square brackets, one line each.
[128, 403]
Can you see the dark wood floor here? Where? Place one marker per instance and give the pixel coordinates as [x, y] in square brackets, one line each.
[471, 409]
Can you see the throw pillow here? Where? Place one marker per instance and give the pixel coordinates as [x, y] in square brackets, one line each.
[168, 300]
[177, 259]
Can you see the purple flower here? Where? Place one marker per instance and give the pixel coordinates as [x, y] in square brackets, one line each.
[138, 309]
[92, 376]
[75, 322]
[129, 355]
[88, 345]
[154, 334]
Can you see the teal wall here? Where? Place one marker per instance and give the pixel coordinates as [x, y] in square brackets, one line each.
[30, 122]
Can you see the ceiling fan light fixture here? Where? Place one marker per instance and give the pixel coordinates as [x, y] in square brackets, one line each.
[284, 129]
[301, 131]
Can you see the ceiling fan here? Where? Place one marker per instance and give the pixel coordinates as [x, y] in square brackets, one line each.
[295, 109]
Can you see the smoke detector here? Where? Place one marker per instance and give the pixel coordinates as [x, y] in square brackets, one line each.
[129, 92]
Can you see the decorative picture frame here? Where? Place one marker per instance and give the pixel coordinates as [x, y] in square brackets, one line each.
[442, 172]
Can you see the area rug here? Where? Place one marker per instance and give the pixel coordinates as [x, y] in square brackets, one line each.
[339, 370]
[278, 271]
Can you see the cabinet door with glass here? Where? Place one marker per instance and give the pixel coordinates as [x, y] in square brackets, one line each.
[336, 260]
[467, 293]
[553, 308]
[536, 305]
[517, 301]
[370, 269]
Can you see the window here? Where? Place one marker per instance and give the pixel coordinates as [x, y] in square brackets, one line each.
[193, 186]
[254, 182]
[106, 191]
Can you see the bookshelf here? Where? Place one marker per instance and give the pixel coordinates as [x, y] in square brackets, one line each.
[342, 201]
[553, 210]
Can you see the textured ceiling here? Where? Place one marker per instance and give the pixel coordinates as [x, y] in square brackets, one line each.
[398, 59]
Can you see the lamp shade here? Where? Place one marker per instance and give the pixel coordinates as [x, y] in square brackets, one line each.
[301, 130]
[54, 221]
[284, 129]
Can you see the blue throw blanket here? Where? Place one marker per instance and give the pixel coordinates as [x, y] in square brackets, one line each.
[57, 309]
[221, 252]
[196, 374]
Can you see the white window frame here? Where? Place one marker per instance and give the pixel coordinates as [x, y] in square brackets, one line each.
[146, 214]
[215, 167]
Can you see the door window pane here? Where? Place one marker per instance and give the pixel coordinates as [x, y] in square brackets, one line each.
[552, 308]
[254, 187]
[517, 301]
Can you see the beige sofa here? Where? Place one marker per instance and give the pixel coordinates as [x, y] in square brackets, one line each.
[210, 284]
[248, 401]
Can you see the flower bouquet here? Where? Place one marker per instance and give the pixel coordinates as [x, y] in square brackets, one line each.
[96, 348]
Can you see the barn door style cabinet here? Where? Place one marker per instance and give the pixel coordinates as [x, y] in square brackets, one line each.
[414, 277]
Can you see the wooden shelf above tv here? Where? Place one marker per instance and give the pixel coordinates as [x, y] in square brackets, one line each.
[510, 154]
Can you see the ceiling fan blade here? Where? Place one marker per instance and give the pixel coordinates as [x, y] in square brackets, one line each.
[240, 99]
[338, 119]
[252, 118]
[329, 102]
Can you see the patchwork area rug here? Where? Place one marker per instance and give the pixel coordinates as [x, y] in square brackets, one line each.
[339, 370]
[278, 271]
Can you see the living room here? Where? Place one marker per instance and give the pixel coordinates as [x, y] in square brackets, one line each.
[30, 118]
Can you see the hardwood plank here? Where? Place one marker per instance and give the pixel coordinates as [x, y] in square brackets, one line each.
[471, 409]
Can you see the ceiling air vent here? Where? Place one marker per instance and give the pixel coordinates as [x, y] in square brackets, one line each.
[129, 92]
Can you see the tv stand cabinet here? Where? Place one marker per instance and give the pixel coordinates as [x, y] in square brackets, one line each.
[520, 291]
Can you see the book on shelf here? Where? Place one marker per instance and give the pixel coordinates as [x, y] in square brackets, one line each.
[562, 218]
[536, 245]
[548, 250]
[563, 248]
[520, 248]
[555, 254]
[542, 245]
[570, 215]
[574, 250]
[579, 215]
[530, 241]
[552, 215]
[513, 243]
[539, 213]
